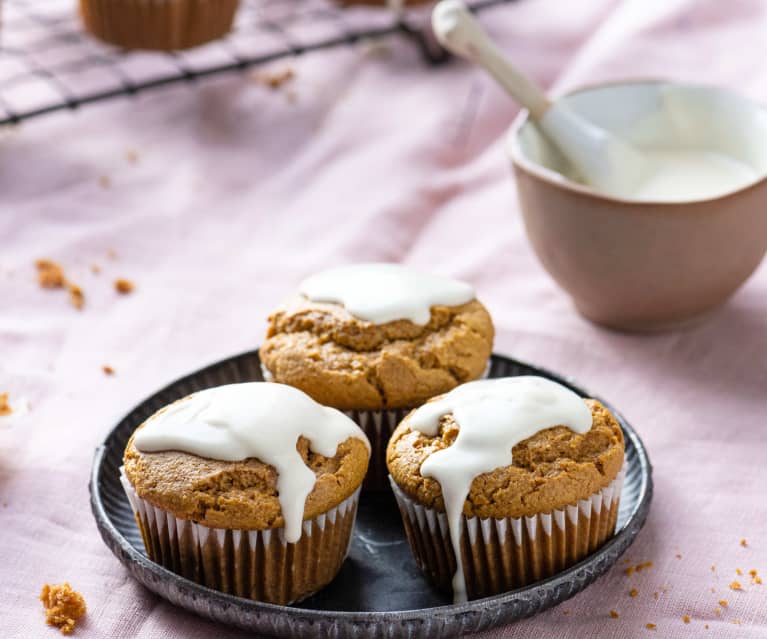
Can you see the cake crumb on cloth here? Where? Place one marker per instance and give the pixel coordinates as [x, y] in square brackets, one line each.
[63, 606]
[275, 79]
[5, 407]
[76, 296]
[124, 286]
[614, 614]
[108, 370]
[49, 274]
[735, 585]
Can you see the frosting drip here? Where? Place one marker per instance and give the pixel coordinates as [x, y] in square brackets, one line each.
[493, 416]
[381, 293]
[255, 419]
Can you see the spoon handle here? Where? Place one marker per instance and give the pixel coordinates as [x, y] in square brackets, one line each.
[460, 32]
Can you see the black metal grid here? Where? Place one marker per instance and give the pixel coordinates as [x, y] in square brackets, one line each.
[48, 63]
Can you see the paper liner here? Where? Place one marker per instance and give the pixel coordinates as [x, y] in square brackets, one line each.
[502, 554]
[378, 425]
[158, 24]
[255, 564]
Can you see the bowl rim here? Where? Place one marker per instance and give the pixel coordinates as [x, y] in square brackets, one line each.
[537, 171]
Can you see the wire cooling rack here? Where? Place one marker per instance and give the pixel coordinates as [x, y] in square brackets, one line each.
[48, 63]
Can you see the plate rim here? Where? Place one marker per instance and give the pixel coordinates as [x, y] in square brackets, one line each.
[131, 558]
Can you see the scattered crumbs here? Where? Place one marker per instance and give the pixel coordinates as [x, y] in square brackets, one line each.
[743, 543]
[717, 611]
[565, 612]
[49, 274]
[655, 595]
[735, 585]
[713, 589]
[131, 156]
[124, 286]
[95, 269]
[76, 296]
[629, 570]
[757, 580]
[108, 370]
[650, 626]
[686, 618]
[706, 626]
[5, 407]
[646, 564]
[723, 603]
[614, 614]
[633, 592]
[626, 561]
[738, 571]
[63, 606]
[678, 556]
[112, 254]
[275, 79]
[713, 568]
[752, 572]
[105, 182]
[737, 622]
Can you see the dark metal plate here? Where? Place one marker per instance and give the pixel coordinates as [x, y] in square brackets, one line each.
[379, 591]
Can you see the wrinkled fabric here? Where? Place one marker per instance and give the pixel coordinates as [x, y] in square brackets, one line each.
[238, 193]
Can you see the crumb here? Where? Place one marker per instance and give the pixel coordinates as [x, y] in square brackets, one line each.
[713, 589]
[95, 269]
[655, 595]
[678, 556]
[49, 274]
[630, 570]
[723, 603]
[743, 543]
[76, 296]
[757, 580]
[112, 254]
[633, 592]
[63, 606]
[752, 572]
[738, 571]
[275, 79]
[735, 585]
[105, 182]
[124, 286]
[108, 370]
[650, 626]
[686, 618]
[646, 564]
[565, 612]
[713, 568]
[5, 407]
[706, 626]
[614, 614]
[131, 156]
[737, 622]
[717, 611]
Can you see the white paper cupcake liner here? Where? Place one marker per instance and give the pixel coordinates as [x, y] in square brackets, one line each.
[256, 564]
[502, 554]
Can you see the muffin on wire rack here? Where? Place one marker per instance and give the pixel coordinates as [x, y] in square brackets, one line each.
[163, 25]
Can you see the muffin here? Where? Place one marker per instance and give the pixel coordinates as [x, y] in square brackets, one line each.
[377, 340]
[250, 489]
[158, 24]
[517, 477]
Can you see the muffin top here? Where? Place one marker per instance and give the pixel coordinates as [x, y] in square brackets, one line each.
[548, 465]
[378, 336]
[247, 456]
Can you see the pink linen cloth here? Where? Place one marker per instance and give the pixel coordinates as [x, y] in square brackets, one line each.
[238, 193]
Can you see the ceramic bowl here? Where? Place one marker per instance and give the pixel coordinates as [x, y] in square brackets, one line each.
[646, 266]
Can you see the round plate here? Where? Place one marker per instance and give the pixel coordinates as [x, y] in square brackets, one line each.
[379, 591]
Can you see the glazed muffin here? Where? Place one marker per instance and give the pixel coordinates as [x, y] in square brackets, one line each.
[250, 489]
[164, 25]
[377, 340]
[530, 488]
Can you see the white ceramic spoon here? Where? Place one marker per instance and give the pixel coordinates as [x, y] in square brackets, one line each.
[606, 162]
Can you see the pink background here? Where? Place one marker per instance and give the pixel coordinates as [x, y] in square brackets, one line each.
[239, 193]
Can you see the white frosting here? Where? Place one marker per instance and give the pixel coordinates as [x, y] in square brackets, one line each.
[684, 174]
[493, 416]
[255, 419]
[381, 293]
